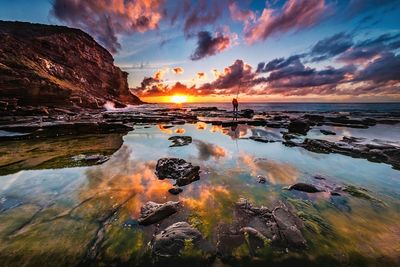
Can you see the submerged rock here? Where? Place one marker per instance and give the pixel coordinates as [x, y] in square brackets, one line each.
[153, 212]
[278, 224]
[263, 136]
[180, 140]
[175, 190]
[96, 158]
[171, 241]
[178, 169]
[261, 226]
[308, 188]
[327, 132]
[298, 126]
[261, 179]
[363, 193]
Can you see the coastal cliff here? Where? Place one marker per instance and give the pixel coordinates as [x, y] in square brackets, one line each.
[57, 67]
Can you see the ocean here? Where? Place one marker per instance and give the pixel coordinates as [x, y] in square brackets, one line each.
[294, 107]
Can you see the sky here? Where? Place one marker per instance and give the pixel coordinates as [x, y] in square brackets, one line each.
[211, 51]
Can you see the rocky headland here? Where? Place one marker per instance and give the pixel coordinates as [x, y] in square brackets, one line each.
[45, 69]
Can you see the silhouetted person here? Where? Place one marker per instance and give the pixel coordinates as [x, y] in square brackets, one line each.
[235, 104]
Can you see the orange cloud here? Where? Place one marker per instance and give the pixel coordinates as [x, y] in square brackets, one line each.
[201, 75]
[178, 70]
[160, 74]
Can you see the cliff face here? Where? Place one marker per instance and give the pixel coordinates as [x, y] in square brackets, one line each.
[56, 66]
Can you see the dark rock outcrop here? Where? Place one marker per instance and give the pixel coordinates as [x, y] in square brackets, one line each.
[388, 154]
[175, 190]
[57, 66]
[298, 126]
[153, 212]
[308, 188]
[327, 132]
[178, 169]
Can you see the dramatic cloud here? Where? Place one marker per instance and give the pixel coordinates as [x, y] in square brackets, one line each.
[201, 13]
[331, 46]
[177, 70]
[158, 88]
[369, 67]
[383, 69]
[370, 49]
[160, 74]
[278, 63]
[105, 19]
[295, 15]
[241, 14]
[360, 6]
[208, 45]
[239, 74]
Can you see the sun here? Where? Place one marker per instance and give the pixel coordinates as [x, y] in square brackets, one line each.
[179, 99]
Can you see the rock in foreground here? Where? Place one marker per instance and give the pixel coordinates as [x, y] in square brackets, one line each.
[170, 241]
[278, 227]
[178, 169]
[153, 212]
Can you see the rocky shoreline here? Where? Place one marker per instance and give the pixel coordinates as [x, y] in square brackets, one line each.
[293, 127]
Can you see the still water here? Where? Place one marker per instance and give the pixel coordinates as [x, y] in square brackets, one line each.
[65, 214]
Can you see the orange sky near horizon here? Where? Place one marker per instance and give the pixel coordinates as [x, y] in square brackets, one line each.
[272, 98]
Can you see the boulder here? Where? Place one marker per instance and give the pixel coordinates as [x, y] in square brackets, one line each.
[261, 179]
[171, 241]
[177, 169]
[298, 126]
[175, 190]
[153, 212]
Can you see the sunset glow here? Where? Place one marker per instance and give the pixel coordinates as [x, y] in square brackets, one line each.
[179, 99]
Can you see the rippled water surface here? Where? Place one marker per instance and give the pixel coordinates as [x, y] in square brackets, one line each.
[54, 214]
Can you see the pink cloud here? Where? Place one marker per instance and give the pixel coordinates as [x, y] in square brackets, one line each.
[295, 15]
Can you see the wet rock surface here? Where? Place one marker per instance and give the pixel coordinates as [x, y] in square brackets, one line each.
[57, 152]
[321, 184]
[175, 190]
[298, 126]
[261, 179]
[180, 170]
[95, 158]
[180, 140]
[171, 241]
[153, 212]
[388, 154]
[327, 132]
[277, 226]
[309, 188]
[264, 136]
